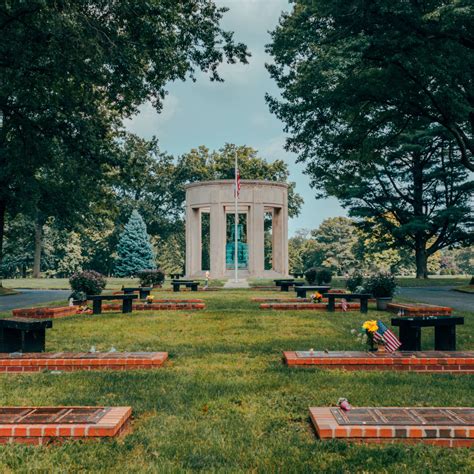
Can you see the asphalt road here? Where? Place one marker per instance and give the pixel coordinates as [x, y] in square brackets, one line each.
[440, 295]
[31, 297]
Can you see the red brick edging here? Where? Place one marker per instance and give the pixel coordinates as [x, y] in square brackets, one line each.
[307, 306]
[430, 361]
[419, 309]
[45, 313]
[327, 427]
[72, 361]
[113, 423]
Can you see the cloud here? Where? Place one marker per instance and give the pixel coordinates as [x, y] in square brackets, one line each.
[148, 122]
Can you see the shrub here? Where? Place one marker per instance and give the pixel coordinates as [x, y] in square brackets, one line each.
[319, 276]
[323, 276]
[355, 281]
[381, 285]
[151, 277]
[88, 282]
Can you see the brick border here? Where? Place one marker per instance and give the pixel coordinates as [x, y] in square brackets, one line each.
[419, 309]
[68, 361]
[430, 361]
[113, 423]
[46, 313]
[307, 306]
[327, 427]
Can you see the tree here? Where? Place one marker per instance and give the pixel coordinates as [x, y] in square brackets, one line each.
[366, 129]
[334, 242]
[120, 54]
[354, 70]
[134, 249]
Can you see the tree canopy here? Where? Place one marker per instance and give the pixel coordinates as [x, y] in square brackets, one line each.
[70, 72]
[354, 72]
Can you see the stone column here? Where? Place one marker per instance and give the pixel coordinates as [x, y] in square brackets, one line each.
[280, 240]
[256, 239]
[217, 246]
[193, 241]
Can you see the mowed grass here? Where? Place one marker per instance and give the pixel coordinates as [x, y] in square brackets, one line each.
[225, 402]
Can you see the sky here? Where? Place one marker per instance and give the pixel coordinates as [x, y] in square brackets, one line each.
[212, 114]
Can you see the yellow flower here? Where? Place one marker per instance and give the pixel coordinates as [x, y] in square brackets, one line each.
[370, 326]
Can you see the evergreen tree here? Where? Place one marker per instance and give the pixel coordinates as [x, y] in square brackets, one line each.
[134, 249]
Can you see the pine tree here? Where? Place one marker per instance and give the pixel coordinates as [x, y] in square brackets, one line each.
[134, 249]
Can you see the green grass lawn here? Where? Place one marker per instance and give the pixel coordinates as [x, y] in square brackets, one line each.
[225, 402]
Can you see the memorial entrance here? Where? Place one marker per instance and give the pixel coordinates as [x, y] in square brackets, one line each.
[210, 229]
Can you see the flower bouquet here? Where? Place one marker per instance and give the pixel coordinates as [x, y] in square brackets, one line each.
[149, 299]
[316, 297]
[366, 334]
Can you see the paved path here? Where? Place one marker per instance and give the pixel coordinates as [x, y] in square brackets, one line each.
[440, 295]
[31, 297]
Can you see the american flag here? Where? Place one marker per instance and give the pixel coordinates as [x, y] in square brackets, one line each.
[384, 335]
[237, 183]
[344, 304]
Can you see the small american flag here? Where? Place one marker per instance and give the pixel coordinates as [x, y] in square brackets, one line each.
[384, 335]
[237, 182]
[344, 304]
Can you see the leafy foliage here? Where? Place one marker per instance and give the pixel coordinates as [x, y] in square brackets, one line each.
[381, 285]
[355, 280]
[318, 276]
[151, 277]
[88, 282]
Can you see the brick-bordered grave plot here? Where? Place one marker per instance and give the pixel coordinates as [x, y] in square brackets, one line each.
[46, 313]
[160, 305]
[418, 309]
[72, 361]
[307, 306]
[455, 362]
[282, 300]
[44, 425]
[450, 427]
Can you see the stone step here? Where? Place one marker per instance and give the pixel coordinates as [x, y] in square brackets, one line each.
[418, 309]
[73, 361]
[45, 425]
[440, 426]
[455, 362]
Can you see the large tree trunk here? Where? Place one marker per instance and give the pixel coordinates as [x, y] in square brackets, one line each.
[3, 211]
[421, 257]
[38, 248]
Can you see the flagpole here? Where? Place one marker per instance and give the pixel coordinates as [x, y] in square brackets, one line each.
[236, 222]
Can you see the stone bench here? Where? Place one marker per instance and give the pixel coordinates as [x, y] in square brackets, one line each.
[187, 283]
[445, 331]
[439, 426]
[303, 289]
[418, 309]
[72, 361]
[427, 361]
[23, 334]
[143, 291]
[44, 425]
[362, 297]
[97, 302]
[285, 285]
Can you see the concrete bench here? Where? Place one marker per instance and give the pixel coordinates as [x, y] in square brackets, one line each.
[362, 297]
[187, 283]
[23, 334]
[302, 289]
[285, 285]
[142, 290]
[445, 331]
[97, 302]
